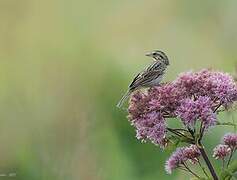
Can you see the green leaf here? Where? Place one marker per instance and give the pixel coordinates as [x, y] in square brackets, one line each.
[226, 124]
[173, 142]
[229, 173]
[202, 178]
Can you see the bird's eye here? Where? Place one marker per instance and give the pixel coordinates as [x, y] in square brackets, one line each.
[154, 53]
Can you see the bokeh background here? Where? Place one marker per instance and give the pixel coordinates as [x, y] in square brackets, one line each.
[65, 64]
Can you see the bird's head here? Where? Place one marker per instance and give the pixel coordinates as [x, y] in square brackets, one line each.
[159, 56]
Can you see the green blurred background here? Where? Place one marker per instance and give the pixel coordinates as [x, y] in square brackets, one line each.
[65, 64]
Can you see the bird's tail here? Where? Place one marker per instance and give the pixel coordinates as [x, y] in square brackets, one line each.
[123, 99]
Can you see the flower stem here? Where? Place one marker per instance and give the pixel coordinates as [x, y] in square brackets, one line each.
[203, 169]
[223, 163]
[228, 162]
[189, 170]
[207, 161]
[185, 170]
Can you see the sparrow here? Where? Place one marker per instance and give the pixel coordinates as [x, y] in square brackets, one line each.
[151, 76]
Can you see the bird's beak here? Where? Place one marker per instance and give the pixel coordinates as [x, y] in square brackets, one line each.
[149, 54]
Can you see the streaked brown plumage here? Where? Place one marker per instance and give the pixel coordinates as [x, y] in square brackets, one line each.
[149, 77]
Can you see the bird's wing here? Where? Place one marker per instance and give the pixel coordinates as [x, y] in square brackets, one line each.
[143, 79]
[132, 85]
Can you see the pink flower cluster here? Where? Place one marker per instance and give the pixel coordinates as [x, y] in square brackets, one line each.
[221, 151]
[230, 140]
[219, 86]
[181, 156]
[152, 127]
[229, 146]
[192, 97]
[191, 110]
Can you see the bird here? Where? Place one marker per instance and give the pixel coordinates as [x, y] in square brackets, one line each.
[151, 76]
